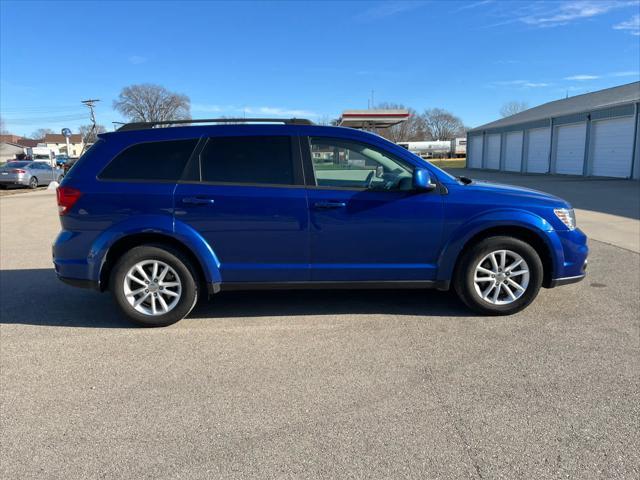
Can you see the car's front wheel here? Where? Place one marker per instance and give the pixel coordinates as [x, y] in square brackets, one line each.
[499, 276]
[154, 286]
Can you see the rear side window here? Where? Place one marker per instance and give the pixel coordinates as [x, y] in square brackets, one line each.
[252, 160]
[150, 161]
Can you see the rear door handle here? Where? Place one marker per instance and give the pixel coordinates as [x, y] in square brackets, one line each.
[329, 205]
[198, 201]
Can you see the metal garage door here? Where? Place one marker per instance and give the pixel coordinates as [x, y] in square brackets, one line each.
[569, 148]
[612, 147]
[513, 152]
[538, 150]
[475, 151]
[493, 152]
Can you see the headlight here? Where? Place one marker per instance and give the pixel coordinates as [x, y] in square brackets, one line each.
[566, 216]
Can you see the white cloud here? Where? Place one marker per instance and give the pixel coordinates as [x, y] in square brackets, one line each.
[521, 83]
[200, 107]
[467, 6]
[240, 111]
[536, 85]
[137, 59]
[626, 74]
[386, 9]
[582, 78]
[280, 111]
[571, 11]
[632, 25]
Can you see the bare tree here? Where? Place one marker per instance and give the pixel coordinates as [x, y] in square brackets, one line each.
[325, 120]
[89, 135]
[411, 129]
[442, 125]
[152, 103]
[40, 133]
[513, 107]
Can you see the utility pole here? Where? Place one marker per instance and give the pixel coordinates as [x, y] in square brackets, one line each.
[92, 116]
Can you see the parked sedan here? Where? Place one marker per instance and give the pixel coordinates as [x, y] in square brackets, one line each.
[28, 173]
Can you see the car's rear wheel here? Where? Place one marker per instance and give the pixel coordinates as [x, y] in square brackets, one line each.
[499, 276]
[33, 183]
[154, 285]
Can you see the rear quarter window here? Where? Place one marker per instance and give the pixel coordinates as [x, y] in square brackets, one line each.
[150, 161]
[75, 166]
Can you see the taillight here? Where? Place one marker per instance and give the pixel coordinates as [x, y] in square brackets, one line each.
[17, 170]
[67, 196]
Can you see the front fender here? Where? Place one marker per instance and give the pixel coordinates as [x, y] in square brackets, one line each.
[162, 225]
[495, 219]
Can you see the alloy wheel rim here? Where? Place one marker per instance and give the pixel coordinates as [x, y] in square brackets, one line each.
[152, 287]
[501, 277]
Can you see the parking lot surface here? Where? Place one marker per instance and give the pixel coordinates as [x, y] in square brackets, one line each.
[322, 384]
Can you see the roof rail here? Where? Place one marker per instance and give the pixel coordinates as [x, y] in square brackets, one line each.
[143, 125]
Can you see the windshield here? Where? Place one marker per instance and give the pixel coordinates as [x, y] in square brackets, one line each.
[17, 164]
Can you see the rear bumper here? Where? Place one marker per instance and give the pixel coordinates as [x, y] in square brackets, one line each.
[14, 181]
[80, 283]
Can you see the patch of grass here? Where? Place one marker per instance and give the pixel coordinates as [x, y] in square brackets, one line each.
[450, 163]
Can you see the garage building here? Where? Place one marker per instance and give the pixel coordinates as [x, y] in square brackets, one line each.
[595, 134]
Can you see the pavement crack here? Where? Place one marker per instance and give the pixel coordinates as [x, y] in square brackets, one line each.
[457, 423]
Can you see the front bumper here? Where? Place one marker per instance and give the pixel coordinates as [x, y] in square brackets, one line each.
[574, 252]
[566, 280]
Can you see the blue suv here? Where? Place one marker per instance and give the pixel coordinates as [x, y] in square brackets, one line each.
[164, 216]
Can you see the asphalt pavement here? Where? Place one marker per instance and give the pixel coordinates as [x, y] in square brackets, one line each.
[322, 384]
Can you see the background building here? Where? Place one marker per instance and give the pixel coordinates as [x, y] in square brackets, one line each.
[594, 134]
[58, 143]
[14, 146]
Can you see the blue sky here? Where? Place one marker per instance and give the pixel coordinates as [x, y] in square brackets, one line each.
[313, 59]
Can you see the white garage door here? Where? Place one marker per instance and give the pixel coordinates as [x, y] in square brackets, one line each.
[475, 152]
[612, 147]
[513, 152]
[493, 152]
[538, 150]
[570, 148]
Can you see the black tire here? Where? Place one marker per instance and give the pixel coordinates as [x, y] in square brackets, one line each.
[33, 183]
[464, 285]
[177, 262]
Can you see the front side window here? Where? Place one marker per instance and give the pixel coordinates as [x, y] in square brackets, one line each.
[151, 161]
[247, 160]
[346, 164]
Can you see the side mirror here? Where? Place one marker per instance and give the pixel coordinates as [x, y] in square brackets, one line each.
[422, 180]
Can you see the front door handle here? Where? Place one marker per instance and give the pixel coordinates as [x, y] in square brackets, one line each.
[329, 205]
[198, 201]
